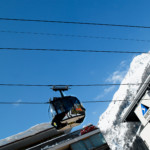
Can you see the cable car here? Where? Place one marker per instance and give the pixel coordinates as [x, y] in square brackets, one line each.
[67, 111]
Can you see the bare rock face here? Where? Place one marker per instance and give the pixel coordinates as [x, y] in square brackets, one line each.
[122, 136]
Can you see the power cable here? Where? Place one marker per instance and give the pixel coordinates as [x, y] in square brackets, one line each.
[68, 50]
[74, 22]
[106, 101]
[71, 85]
[78, 36]
[100, 101]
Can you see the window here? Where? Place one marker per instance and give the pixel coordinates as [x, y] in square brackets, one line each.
[53, 112]
[59, 107]
[88, 144]
[97, 140]
[78, 145]
[92, 142]
[67, 104]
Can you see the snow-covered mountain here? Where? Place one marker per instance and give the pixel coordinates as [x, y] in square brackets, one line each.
[120, 136]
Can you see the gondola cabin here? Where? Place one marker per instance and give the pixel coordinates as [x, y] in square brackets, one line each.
[67, 112]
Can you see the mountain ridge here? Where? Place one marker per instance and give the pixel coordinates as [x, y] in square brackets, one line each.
[121, 136]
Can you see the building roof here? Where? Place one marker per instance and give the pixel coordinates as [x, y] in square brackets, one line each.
[64, 141]
[31, 137]
[130, 116]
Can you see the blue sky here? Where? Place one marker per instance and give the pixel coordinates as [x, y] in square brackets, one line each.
[65, 67]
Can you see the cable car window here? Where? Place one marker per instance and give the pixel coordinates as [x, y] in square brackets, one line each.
[59, 107]
[77, 101]
[78, 106]
[67, 104]
[53, 112]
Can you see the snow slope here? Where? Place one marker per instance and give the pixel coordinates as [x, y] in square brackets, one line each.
[120, 136]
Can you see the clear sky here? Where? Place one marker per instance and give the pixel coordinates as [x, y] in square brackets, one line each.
[38, 67]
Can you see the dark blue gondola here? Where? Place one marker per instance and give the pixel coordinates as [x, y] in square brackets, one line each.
[67, 111]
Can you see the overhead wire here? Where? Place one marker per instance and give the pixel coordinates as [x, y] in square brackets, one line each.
[68, 50]
[105, 101]
[75, 22]
[71, 85]
[73, 50]
[76, 36]
[99, 101]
